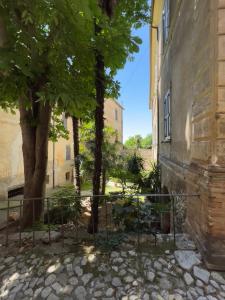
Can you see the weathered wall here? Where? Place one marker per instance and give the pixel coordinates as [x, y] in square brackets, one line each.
[193, 65]
[11, 158]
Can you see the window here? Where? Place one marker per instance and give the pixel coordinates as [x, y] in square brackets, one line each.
[166, 21]
[67, 175]
[64, 120]
[167, 116]
[15, 191]
[116, 114]
[68, 152]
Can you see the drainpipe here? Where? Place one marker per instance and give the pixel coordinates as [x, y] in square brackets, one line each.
[53, 161]
[158, 127]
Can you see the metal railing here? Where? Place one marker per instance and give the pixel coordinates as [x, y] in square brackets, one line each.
[135, 214]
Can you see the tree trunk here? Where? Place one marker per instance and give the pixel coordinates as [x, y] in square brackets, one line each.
[107, 7]
[34, 124]
[99, 126]
[103, 180]
[76, 154]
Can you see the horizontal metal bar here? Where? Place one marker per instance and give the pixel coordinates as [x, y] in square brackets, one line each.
[105, 196]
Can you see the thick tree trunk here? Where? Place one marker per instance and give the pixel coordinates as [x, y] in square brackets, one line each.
[76, 154]
[34, 124]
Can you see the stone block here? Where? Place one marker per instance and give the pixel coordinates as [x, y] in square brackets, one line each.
[201, 150]
[221, 21]
[201, 128]
[220, 150]
[220, 124]
[221, 47]
[221, 3]
[221, 72]
[221, 100]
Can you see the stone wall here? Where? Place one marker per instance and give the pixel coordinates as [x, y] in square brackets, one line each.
[192, 64]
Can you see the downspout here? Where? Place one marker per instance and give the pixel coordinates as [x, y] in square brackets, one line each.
[157, 127]
[53, 161]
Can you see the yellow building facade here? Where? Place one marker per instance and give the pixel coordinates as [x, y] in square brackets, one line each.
[60, 154]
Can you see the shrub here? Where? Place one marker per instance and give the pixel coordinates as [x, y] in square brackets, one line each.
[133, 214]
[64, 206]
[151, 183]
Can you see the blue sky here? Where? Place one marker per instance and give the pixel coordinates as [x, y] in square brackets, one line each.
[134, 79]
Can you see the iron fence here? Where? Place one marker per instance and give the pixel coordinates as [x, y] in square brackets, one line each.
[136, 214]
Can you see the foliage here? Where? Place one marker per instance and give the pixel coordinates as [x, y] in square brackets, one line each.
[137, 141]
[64, 206]
[151, 182]
[87, 145]
[42, 51]
[146, 142]
[57, 129]
[128, 169]
[133, 214]
[113, 241]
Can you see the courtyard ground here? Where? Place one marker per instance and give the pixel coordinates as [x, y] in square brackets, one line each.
[86, 272]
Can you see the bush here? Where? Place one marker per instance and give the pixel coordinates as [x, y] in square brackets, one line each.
[151, 183]
[132, 214]
[64, 206]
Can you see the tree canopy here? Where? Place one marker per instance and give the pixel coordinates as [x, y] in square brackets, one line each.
[137, 141]
[42, 48]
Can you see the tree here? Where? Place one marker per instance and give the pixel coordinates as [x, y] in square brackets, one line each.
[137, 141]
[87, 146]
[146, 142]
[40, 56]
[133, 142]
[128, 169]
[115, 44]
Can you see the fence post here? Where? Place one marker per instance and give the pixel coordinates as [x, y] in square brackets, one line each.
[138, 204]
[33, 212]
[62, 227]
[20, 222]
[7, 225]
[49, 228]
[174, 225]
[106, 219]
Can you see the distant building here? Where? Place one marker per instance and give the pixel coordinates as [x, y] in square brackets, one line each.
[114, 117]
[60, 154]
[188, 109]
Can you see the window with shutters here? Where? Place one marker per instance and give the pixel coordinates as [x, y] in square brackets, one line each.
[166, 21]
[167, 120]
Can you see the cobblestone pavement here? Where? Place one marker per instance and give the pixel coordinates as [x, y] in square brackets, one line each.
[122, 274]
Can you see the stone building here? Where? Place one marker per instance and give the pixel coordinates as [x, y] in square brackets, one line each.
[188, 107]
[114, 117]
[60, 154]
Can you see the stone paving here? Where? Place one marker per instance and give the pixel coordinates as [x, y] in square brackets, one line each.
[125, 274]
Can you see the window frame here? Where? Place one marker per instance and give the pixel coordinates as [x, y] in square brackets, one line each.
[68, 152]
[167, 115]
[64, 120]
[165, 21]
[116, 114]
